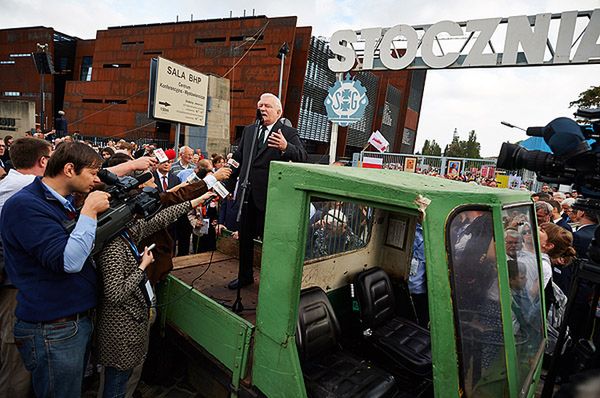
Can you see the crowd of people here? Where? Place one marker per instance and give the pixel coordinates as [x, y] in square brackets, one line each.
[58, 286]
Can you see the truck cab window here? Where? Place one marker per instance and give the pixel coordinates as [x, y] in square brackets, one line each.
[474, 275]
[336, 227]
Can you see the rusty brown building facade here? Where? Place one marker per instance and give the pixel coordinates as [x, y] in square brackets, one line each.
[103, 83]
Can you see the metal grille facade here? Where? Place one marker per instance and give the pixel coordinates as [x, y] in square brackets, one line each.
[417, 85]
[408, 141]
[359, 132]
[391, 112]
[312, 123]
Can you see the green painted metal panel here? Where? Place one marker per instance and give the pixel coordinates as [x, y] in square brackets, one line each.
[222, 333]
[276, 369]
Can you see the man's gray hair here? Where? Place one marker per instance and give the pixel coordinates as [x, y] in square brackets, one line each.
[275, 98]
[568, 202]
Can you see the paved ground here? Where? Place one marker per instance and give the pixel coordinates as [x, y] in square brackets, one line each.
[177, 389]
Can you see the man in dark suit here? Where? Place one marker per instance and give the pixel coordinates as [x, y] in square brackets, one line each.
[557, 218]
[275, 141]
[582, 237]
[163, 177]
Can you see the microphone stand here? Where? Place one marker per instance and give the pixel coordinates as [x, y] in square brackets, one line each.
[237, 306]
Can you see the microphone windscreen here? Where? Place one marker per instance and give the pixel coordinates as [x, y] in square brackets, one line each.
[535, 131]
[108, 177]
[144, 177]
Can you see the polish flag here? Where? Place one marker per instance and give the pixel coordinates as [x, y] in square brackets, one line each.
[372, 163]
[379, 142]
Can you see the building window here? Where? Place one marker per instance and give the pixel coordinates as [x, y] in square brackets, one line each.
[20, 55]
[12, 94]
[10, 62]
[116, 66]
[86, 69]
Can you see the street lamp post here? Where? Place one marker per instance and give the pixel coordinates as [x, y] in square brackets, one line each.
[44, 66]
[283, 51]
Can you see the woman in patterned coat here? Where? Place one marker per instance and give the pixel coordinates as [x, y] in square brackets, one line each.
[123, 314]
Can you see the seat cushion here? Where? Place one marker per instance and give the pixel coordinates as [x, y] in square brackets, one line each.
[342, 375]
[404, 343]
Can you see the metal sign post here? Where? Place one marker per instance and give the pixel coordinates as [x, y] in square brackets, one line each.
[177, 136]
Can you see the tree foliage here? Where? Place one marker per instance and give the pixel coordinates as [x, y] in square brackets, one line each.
[431, 148]
[464, 149]
[589, 98]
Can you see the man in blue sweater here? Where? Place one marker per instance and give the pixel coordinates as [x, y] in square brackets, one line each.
[52, 270]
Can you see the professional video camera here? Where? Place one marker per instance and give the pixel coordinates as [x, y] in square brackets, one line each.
[573, 161]
[125, 203]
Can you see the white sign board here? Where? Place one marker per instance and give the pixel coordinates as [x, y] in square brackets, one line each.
[431, 46]
[180, 94]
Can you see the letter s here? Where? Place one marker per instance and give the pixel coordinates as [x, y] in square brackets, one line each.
[345, 57]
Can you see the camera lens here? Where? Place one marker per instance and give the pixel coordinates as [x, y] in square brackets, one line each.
[513, 157]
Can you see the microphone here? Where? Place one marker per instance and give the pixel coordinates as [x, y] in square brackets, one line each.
[232, 164]
[108, 177]
[144, 177]
[219, 189]
[259, 117]
[535, 131]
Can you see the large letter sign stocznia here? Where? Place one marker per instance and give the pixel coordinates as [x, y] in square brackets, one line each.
[564, 43]
[346, 101]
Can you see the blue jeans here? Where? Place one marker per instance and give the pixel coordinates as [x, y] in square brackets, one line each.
[55, 354]
[115, 382]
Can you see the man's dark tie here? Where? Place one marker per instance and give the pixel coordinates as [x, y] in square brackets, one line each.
[164, 183]
[261, 137]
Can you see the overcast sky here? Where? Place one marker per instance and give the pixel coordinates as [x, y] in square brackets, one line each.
[475, 99]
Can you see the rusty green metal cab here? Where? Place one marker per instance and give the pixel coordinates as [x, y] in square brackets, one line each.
[487, 329]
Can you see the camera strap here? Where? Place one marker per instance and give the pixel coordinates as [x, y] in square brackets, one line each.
[132, 246]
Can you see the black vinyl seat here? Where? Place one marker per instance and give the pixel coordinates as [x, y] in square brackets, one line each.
[393, 339]
[328, 370]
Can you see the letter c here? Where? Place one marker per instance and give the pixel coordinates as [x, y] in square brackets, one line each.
[429, 57]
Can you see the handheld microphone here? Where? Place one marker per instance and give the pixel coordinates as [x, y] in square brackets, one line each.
[219, 189]
[535, 131]
[232, 164]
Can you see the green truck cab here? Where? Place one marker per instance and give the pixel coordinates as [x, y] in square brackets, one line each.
[335, 284]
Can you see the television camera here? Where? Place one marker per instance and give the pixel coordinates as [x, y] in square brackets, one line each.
[575, 159]
[126, 202]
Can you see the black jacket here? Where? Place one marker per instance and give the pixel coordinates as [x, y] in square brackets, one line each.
[259, 172]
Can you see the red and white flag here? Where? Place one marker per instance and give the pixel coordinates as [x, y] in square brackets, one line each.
[379, 142]
[372, 163]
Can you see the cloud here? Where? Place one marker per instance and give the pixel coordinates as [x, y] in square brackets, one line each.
[463, 99]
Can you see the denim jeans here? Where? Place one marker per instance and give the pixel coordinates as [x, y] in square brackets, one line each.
[55, 354]
[115, 382]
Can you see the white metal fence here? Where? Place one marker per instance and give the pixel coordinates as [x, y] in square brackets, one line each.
[444, 165]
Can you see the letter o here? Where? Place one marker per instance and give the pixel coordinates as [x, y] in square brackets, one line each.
[385, 53]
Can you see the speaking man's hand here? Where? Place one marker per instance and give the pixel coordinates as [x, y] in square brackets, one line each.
[222, 174]
[95, 203]
[277, 140]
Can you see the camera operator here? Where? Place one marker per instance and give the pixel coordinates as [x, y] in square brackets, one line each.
[127, 297]
[52, 269]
